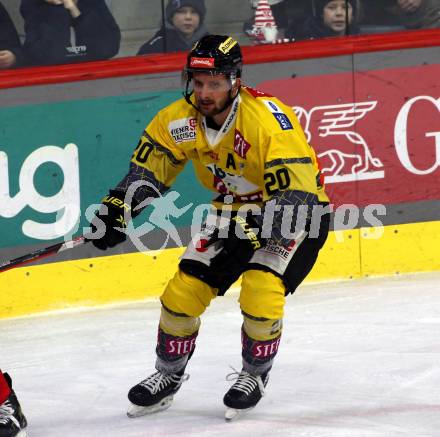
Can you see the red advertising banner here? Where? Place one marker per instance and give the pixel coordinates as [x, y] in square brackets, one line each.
[377, 133]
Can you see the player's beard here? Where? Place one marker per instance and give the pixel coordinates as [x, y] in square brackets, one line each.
[214, 107]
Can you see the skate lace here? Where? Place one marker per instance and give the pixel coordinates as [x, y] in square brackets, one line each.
[6, 413]
[159, 381]
[245, 382]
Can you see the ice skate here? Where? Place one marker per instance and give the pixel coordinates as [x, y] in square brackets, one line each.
[244, 394]
[12, 420]
[154, 393]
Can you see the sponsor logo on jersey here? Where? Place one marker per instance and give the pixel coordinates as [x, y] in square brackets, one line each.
[202, 63]
[226, 46]
[241, 146]
[284, 122]
[272, 106]
[200, 245]
[183, 130]
[229, 183]
[231, 117]
[222, 188]
[279, 115]
[281, 251]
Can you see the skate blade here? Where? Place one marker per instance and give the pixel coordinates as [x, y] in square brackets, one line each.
[233, 413]
[138, 411]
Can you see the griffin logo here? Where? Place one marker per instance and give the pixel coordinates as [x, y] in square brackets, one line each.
[351, 159]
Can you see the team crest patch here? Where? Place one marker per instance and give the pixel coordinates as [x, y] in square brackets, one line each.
[183, 130]
[241, 146]
[279, 115]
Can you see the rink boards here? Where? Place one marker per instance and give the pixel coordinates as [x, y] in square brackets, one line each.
[347, 255]
[63, 145]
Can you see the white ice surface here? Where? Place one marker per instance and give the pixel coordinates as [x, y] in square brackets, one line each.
[357, 359]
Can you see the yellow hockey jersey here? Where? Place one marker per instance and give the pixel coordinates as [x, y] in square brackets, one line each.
[260, 149]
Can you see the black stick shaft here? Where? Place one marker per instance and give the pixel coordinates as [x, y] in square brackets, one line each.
[42, 253]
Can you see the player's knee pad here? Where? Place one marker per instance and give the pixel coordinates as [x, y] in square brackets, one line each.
[262, 295]
[185, 294]
[262, 329]
[260, 341]
[179, 325]
[176, 340]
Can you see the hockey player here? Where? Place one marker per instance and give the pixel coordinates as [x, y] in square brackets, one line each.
[12, 420]
[248, 148]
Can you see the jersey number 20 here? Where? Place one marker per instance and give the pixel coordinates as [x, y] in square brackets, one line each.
[280, 180]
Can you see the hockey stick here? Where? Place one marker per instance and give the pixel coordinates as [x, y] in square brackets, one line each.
[42, 253]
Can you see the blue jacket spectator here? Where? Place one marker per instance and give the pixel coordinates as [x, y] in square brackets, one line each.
[184, 26]
[11, 54]
[329, 19]
[48, 25]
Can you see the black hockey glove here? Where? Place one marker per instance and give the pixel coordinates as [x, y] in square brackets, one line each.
[240, 245]
[114, 221]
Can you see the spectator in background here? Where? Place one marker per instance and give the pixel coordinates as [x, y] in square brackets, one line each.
[279, 12]
[11, 54]
[184, 26]
[330, 18]
[415, 14]
[49, 25]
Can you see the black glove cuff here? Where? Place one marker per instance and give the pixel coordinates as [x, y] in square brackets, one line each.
[116, 204]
